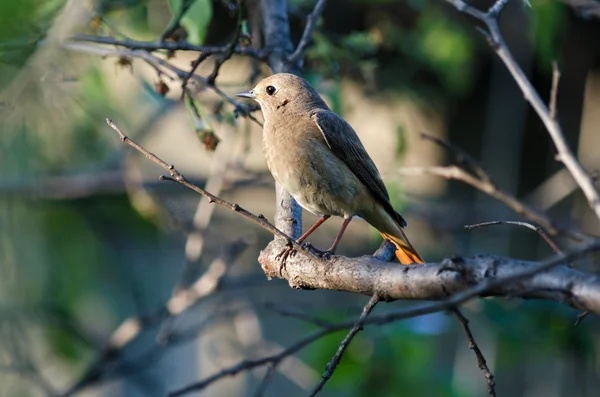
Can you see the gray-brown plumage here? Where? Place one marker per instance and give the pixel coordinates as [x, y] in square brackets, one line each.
[319, 159]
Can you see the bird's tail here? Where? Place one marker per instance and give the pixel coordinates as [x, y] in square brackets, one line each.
[405, 252]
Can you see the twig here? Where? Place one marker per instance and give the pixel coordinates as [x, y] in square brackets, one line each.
[225, 55]
[184, 81]
[176, 176]
[311, 22]
[265, 380]
[169, 46]
[240, 108]
[481, 361]
[250, 364]
[230, 48]
[494, 36]
[175, 21]
[462, 158]
[536, 229]
[581, 316]
[335, 360]
[296, 314]
[554, 89]
[457, 173]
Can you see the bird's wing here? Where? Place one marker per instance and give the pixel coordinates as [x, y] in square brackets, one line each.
[346, 145]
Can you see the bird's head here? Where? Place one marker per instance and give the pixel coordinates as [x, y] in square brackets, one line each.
[284, 93]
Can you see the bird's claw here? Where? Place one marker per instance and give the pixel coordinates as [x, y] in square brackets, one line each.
[283, 255]
[321, 254]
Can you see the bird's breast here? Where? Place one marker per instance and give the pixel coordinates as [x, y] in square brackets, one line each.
[300, 160]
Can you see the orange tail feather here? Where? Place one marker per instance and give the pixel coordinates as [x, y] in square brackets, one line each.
[405, 252]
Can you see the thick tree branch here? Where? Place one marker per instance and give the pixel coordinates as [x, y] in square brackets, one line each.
[276, 32]
[494, 275]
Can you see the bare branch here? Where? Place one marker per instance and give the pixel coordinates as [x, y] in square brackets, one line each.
[536, 229]
[554, 89]
[311, 22]
[229, 50]
[159, 63]
[333, 363]
[296, 314]
[176, 176]
[265, 381]
[490, 19]
[487, 275]
[481, 361]
[462, 158]
[457, 173]
[250, 364]
[169, 46]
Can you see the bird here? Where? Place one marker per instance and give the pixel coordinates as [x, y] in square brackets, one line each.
[319, 159]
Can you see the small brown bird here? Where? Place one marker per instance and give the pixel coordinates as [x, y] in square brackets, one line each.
[318, 158]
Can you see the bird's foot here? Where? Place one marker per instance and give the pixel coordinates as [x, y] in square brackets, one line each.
[321, 254]
[283, 255]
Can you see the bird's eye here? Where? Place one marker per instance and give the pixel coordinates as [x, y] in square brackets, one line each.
[271, 90]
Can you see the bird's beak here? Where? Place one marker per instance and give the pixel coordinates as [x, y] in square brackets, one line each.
[246, 94]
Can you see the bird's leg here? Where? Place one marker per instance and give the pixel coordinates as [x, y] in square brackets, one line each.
[313, 228]
[331, 250]
[289, 249]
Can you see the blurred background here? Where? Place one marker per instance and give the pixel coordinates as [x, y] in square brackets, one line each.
[95, 250]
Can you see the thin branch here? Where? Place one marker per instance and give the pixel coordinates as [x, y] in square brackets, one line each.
[265, 380]
[156, 62]
[176, 19]
[169, 46]
[335, 360]
[554, 89]
[581, 316]
[481, 361]
[536, 229]
[176, 176]
[490, 19]
[296, 314]
[250, 364]
[457, 173]
[311, 22]
[230, 48]
[462, 158]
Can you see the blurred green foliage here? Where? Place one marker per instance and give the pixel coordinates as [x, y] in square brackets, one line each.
[548, 22]
[195, 18]
[22, 25]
